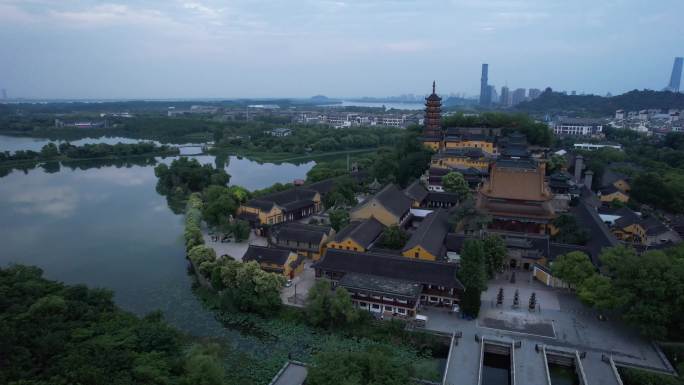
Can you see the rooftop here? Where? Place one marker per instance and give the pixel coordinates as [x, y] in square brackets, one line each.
[362, 232]
[263, 254]
[430, 233]
[390, 266]
[381, 285]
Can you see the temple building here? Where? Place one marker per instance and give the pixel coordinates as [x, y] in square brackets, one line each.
[517, 197]
[432, 125]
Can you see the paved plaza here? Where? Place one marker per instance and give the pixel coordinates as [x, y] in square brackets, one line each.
[235, 249]
[560, 321]
[296, 294]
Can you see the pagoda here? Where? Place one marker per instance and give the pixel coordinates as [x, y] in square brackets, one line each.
[432, 125]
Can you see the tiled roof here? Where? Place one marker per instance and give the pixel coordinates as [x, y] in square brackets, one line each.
[416, 191]
[610, 176]
[430, 233]
[392, 199]
[600, 236]
[377, 284]
[323, 187]
[390, 266]
[299, 232]
[266, 254]
[444, 197]
[362, 232]
[292, 199]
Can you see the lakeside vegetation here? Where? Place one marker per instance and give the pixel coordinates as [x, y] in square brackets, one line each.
[58, 334]
[65, 151]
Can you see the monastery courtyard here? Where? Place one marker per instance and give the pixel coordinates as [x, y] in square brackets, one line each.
[561, 323]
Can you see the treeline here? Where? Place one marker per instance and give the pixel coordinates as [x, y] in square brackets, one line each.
[57, 334]
[66, 151]
[536, 133]
[594, 105]
[655, 166]
[185, 176]
[303, 139]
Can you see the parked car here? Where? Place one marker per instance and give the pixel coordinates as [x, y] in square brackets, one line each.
[421, 320]
[455, 309]
[288, 283]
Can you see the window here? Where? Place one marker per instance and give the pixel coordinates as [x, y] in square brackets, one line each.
[388, 308]
[433, 299]
[416, 254]
[401, 310]
[376, 306]
[363, 304]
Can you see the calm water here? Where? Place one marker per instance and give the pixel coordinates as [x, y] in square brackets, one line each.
[15, 143]
[388, 105]
[108, 227]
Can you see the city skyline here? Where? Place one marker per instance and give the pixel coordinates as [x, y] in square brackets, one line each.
[258, 49]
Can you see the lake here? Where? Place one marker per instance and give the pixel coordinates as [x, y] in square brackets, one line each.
[108, 227]
[388, 105]
[15, 143]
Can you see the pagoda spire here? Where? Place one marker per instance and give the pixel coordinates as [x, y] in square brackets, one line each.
[433, 86]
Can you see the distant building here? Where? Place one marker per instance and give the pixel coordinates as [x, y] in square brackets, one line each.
[505, 99]
[534, 93]
[518, 96]
[676, 75]
[578, 127]
[4, 94]
[485, 96]
[280, 132]
[493, 95]
[432, 124]
[595, 146]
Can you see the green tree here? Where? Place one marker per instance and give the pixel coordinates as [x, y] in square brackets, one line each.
[241, 230]
[495, 254]
[597, 291]
[329, 308]
[203, 366]
[49, 151]
[375, 366]
[467, 217]
[472, 275]
[218, 206]
[394, 238]
[255, 290]
[573, 268]
[454, 182]
[569, 231]
[338, 218]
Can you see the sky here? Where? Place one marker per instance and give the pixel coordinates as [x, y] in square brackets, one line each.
[300, 48]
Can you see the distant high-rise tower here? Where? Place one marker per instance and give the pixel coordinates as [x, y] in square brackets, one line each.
[676, 75]
[518, 96]
[505, 99]
[432, 124]
[485, 96]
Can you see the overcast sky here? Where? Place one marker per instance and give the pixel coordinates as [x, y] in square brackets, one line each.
[299, 48]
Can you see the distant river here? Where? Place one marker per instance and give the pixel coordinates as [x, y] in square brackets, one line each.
[108, 227]
[389, 105]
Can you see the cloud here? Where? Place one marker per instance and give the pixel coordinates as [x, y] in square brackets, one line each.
[53, 201]
[407, 46]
